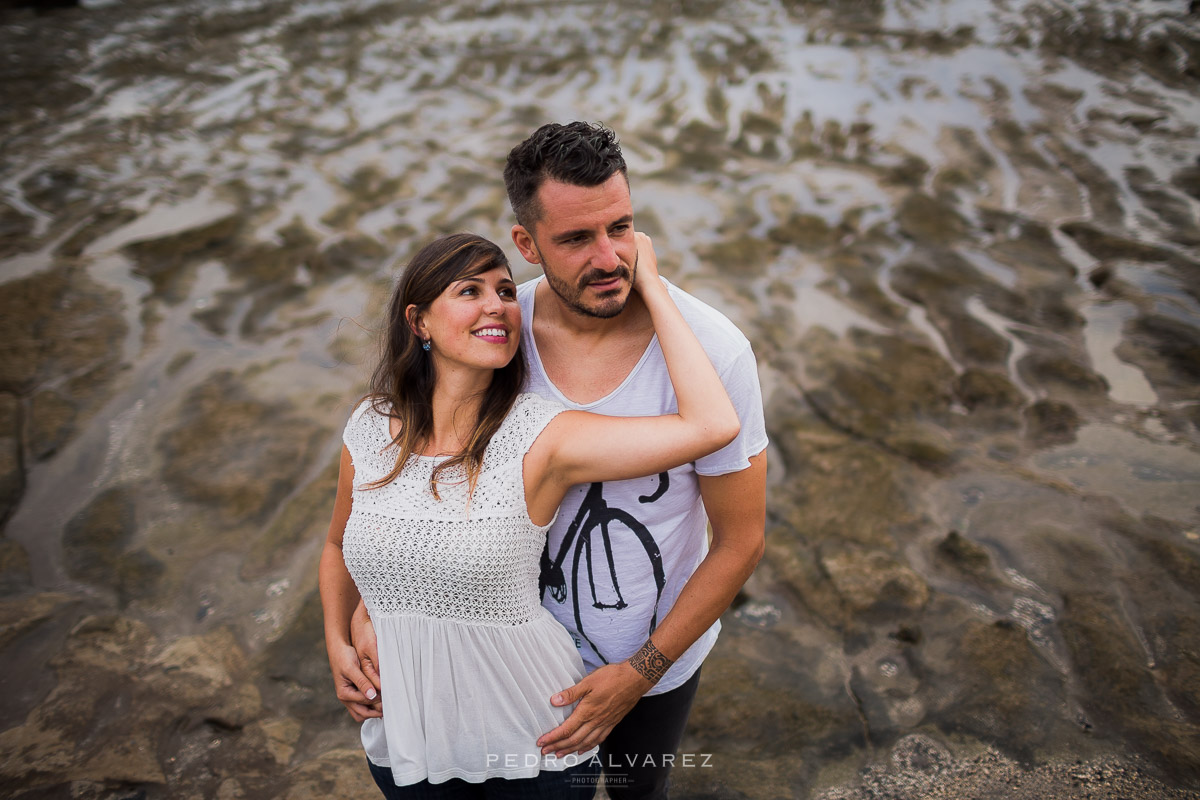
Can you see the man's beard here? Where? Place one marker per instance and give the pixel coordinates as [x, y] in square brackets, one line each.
[609, 305]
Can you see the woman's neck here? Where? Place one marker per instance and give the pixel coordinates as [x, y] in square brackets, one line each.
[457, 398]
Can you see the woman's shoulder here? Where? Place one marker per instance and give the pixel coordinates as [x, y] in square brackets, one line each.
[529, 415]
[365, 417]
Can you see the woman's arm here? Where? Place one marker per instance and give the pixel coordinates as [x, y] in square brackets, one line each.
[578, 447]
[339, 596]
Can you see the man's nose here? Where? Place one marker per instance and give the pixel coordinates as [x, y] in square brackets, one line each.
[606, 257]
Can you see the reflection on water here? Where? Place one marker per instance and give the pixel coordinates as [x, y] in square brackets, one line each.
[961, 236]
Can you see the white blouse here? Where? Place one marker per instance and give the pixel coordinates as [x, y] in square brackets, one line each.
[468, 658]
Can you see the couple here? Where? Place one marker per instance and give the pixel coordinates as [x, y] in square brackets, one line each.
[476, 477]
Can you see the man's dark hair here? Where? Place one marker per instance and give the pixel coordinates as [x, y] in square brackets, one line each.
[578, 153]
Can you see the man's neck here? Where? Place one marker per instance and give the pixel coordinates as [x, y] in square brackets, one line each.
[633, 320]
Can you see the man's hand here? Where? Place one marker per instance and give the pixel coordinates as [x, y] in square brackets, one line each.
[362, 636]
[353, 688]
[604, 698]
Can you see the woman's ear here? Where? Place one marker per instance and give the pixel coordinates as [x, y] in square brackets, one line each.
[416, 322]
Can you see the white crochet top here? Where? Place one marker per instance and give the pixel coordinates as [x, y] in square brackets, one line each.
[468, 658]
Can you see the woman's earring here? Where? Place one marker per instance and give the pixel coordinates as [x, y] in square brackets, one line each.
[425, 345]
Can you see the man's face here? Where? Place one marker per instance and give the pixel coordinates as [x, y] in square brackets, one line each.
[585, 244]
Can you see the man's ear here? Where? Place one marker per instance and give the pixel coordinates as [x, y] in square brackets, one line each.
[523, 239]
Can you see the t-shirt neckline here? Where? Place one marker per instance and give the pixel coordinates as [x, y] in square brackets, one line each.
[558, 393]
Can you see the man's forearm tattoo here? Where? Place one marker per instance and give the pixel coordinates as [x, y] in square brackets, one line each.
[650, 663]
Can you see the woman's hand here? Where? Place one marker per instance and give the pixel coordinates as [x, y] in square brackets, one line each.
[647, 263]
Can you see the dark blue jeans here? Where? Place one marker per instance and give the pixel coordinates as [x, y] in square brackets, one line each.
[576, 783]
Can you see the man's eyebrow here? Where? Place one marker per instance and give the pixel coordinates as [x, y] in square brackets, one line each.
[562, 237]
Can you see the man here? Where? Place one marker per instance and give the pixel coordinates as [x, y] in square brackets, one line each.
[627, 567]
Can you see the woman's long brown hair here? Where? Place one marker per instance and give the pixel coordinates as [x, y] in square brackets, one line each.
[402, 384]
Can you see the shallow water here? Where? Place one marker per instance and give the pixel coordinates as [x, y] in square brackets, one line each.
[961, 235]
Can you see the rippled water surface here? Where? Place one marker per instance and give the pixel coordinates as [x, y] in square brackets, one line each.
[961, 235]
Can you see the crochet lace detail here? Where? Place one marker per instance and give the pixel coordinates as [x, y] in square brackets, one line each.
[410, 553]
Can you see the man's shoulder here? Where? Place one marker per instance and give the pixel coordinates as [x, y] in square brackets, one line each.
[719, 336]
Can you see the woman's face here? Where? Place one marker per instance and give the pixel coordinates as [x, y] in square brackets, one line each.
[475, 322]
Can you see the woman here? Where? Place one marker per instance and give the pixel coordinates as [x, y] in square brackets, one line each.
[449, 479]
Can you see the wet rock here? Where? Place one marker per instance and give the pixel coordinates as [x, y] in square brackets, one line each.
[12, 472]
[59, 323]
[806, 231]
[807, 710]
[167, 262]
[875, 385]
[123, 697]
[15, 230]
[236, 452]
[1174, 342]
[1188, 179]
[838, 489]
[1173, 210]
[1027, 244]
[101, 222]
[910, 171]
[1003, 690]
[19, 615]
[297, 668]
[15, 574]
[1106, 246]
[960, 553]
[51, 422]
[746, 255]
[200, 672]
[1042, 186]
[302, 520]
[1050, 422]
[95, 542]
[930, 221]
[873, 582]
[1100, 276]
[1103, 193]
[336, 773]
[968, 163]
[1060, 372]
[944, 286]
[1122, 694]
[990, 396]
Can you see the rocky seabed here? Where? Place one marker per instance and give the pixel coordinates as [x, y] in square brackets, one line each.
[963, 237]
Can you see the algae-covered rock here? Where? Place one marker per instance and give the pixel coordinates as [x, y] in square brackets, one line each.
[1050, 422]
[12, 473]
[959, 553]
[874, 582]
[95, 546]
[234, 451]
[303, 519]
[58, 323]
[51, 420]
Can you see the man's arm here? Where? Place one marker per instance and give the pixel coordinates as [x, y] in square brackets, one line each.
[737, 508]
[339, 596]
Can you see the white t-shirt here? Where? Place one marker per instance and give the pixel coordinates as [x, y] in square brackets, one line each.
[619, 553]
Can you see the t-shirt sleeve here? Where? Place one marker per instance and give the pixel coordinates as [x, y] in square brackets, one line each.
[741, 382]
